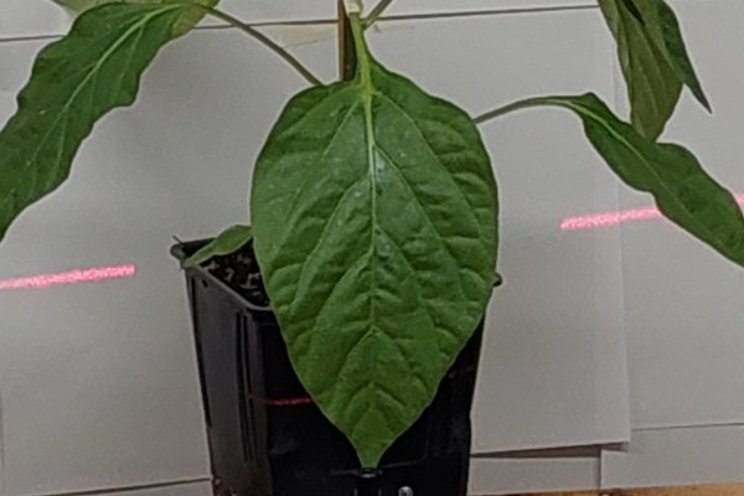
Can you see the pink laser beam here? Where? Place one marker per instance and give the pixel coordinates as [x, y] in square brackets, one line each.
[610, 219]
[75, 276]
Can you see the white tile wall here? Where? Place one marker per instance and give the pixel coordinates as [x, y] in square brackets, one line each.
[683, 302]
[98, 382]
[319, 9]
[684, 314]
[20, 18]
[38, 17]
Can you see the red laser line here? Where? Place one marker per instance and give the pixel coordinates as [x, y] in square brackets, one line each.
[611, 219]
[288, 402]
[75, 276]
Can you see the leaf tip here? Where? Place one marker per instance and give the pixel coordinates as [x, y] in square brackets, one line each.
[703, 99]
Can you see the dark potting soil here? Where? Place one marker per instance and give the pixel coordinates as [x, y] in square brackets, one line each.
[241, 273]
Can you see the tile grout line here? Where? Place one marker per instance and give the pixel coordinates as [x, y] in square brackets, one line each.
[321, 22]
[673, 427]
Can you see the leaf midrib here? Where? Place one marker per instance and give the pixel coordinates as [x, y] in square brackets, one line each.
[367, 92]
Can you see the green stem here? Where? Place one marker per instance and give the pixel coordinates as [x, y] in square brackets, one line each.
[347, 52]
[376, 13]
[268, 42]
[364, 72]
[513, 107]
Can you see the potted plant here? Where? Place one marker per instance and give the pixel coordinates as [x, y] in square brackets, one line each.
[338, 335]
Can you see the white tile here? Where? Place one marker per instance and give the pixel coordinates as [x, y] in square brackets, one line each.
[435, 6]
[43, 17]
[264, 10]
[554, 367]
[494, 477]
[98, 382]
[20, 18]
[677, 457]
[684, 314]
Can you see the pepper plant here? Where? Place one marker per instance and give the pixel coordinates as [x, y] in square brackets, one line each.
[374, 204]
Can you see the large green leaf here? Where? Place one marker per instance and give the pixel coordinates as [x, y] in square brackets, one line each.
[684, 192]
[654, 60]
[75, 81]
[375, 221]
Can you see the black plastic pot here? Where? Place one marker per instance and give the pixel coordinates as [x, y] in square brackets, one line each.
[267, 438]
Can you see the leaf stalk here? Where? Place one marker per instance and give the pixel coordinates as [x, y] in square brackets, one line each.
[512, 107]
[376, 13]
[266, 41]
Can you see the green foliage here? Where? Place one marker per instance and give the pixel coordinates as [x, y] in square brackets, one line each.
[684, 192]
[74, 82]
[374, 204]
[654, 60]
[375, 210]
[190, 16]
[81, 5]
[231, 240]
